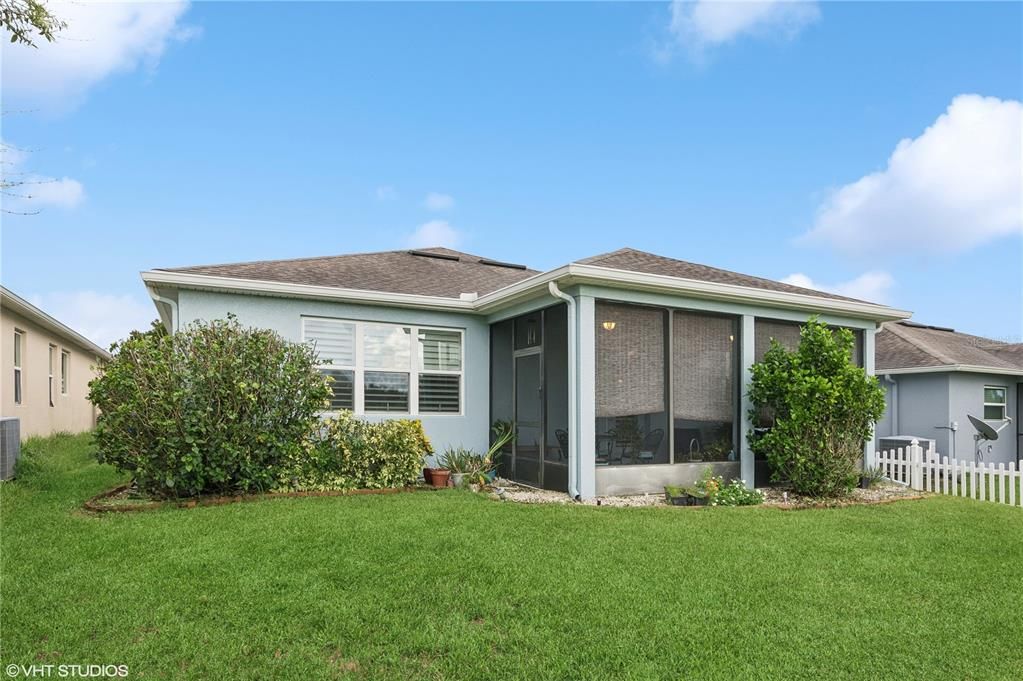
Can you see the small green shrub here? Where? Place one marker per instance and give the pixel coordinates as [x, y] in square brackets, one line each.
[215, 408]
[823, 407]
[349, 453]
[718, 493]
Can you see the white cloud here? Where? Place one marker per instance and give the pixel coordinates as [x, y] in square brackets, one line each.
[31, 191]
[702, 24]
[386, 193]
[956, 186]
[101, 317]
[101, 38]
[434, 233]
[870, 286]
[438, 202]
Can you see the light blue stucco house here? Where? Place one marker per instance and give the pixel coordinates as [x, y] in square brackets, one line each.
[936, 377]
[622, 372]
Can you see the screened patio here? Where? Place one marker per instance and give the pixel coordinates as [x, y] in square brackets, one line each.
[662, 382]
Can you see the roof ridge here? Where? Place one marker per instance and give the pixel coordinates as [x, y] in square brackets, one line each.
[922, 346]
[802, 289]
[322, 257]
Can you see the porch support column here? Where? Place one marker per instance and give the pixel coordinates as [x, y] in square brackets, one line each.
[747, 357]
[586, 386]
[868, 365]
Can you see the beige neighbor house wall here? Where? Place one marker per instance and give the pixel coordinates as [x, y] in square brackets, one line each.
[71, 410]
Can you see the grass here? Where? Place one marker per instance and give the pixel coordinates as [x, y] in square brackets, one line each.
[453, 585]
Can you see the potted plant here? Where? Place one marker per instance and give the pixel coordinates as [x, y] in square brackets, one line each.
[675, 495]
[504, 434]
[460, 462]
[439, 477]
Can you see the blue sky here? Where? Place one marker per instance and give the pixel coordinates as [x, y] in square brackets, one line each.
[754, 137]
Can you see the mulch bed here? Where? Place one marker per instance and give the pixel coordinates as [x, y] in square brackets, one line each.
[124, 498]
[785, 500]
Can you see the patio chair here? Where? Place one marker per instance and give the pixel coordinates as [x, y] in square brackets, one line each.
[562, 438]
[651, 444]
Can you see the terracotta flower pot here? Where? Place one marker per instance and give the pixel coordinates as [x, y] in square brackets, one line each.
[427, 475]
[439, 477]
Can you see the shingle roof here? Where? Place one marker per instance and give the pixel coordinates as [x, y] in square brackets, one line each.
[649, 263]
[438, 272]
[908, 345]
[445, 273]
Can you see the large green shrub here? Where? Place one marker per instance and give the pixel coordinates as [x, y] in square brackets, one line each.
[215, 408]
[349, 453]
[823, 408]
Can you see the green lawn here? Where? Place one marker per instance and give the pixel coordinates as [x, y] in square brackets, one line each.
[451, 585]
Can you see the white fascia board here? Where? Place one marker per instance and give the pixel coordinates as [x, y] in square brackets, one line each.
[273, 288]
[19, 305]
[943, 368]
[576, 273]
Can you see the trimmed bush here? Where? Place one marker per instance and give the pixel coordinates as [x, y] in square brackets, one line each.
[215, 408]
[823, 408]
[349, 453]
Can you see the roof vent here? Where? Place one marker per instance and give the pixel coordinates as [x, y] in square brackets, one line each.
[432, 254]
[498, 263]
[918, 325]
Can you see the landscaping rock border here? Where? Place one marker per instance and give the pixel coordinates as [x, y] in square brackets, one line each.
[94, 504]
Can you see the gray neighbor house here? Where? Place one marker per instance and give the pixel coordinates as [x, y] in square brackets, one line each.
[934, 377]
[622, 372]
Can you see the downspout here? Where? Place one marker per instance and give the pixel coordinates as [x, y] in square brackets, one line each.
[573, 410]
[169, 302]
[895, 404]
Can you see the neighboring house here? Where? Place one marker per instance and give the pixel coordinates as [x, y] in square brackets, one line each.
[622, 372]
[935, 376]
[46, 370]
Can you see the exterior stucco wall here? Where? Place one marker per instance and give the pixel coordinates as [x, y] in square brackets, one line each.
[284, 315]
[71, 412]
[922, 407]
[929, 400]
[966, 396]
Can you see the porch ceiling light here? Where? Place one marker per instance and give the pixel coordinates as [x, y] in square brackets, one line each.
[609, 325]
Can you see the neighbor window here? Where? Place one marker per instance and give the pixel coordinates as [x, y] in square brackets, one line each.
[65, 369]
[994, 402]
[376, 371]
[49, 382]
[17, 366]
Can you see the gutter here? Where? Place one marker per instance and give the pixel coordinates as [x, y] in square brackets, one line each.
[965, 368]
[894, 402]
[12, 301]
[170, 303]
[574, 429]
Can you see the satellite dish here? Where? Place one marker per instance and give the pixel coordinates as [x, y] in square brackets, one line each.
[984, 431]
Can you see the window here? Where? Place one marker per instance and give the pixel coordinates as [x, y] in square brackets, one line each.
[17, 366]
[49, 384]
[335, 346]
[65, 369]
[440, 360]
[387, 351]
[375, 370]
[994, 403]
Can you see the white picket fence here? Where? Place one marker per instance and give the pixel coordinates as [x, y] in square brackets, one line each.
[986, 482]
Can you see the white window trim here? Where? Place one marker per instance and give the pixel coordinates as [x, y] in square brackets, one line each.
[19, 374]
[65, 373]
[1004, 404]
[49, 383]
[415, 367]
